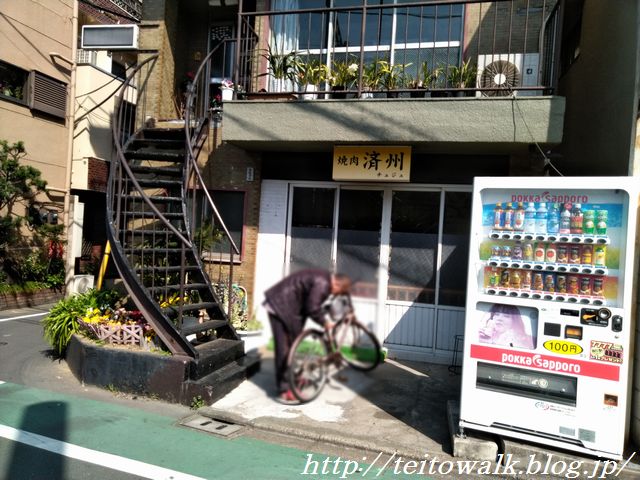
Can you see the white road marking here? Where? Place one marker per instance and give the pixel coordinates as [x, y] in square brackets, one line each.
[95, 457]
[23, 316]
[406, 368]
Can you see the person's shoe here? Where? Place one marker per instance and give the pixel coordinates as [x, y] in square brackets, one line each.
[287, 397]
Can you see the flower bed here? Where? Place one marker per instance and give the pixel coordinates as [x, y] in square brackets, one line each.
[120, 327]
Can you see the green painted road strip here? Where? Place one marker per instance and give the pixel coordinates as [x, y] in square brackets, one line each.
[103, 428]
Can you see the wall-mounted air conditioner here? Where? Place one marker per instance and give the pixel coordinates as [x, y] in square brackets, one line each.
[110, 37]
[507, 71]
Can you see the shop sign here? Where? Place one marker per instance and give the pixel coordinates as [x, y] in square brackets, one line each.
[372, 163]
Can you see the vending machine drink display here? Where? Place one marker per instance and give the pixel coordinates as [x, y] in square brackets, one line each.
[547, 346]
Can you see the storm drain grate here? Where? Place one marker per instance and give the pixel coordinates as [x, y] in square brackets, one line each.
[209, 425]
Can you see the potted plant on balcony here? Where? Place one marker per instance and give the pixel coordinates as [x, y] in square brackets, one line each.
[393, 77]
[310, 75]
[425, 79]
[281, 67]
[343, 74]
[371, 78]
[463, 76]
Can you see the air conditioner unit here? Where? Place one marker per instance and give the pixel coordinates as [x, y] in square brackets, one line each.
[110, 37]
[508, 71]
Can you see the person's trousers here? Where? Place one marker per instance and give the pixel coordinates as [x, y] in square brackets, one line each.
[282, 340]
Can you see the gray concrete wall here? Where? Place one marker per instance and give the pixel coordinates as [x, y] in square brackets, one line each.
[450, 122]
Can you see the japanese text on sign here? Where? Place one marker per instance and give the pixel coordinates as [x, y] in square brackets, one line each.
[378, 163]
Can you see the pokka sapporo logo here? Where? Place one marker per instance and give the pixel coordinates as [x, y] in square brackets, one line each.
[549, 198]
[540, 362]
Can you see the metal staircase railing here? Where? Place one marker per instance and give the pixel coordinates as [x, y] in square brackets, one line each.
[149, 223]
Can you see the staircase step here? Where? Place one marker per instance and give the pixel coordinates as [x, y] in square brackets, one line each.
[166, 171]
[202, 327]
[163, 133]
[148, 214]
[215, 354]
[155, 183]
[158, 233]
[153, 154]
[158, 143]
[153, 250]
[171, 268]
[190, 307]
[154, 198]
[176, 288]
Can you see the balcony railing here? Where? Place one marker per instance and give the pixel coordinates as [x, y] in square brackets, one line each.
[406, 49]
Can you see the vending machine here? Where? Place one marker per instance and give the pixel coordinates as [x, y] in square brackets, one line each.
[547, 344]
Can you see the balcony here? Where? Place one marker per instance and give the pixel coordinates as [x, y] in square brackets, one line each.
[437, 75]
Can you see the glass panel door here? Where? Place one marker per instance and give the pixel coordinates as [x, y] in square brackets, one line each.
[413, 246]
[358, 248]
[311, 228]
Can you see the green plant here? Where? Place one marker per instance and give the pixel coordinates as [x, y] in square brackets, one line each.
[343, 73]
[427, 77]
[62, 321]
[463, 76]
[313, 72]
[371, 76]
[197, 402]
[281, 66]
[392, 77]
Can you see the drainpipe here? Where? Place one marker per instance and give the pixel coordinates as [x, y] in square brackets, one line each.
[67, 218]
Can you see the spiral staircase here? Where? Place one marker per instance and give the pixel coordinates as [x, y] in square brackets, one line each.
[152, 230]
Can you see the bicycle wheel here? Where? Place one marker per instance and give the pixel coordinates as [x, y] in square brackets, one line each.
[307, 368]
[359, 347]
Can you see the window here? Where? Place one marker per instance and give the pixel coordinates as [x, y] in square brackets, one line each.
[230, 206]
[13, 83]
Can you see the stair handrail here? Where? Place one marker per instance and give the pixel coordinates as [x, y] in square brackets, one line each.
[122, 119]
[119, 144]
[199, 105]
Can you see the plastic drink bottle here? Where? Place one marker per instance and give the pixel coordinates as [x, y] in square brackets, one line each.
[589, 225]
[540, 252]
[565, 219]
[550, 254]
[518, 218]
[530, 218]
[576, 218]
[601, 219]
[508, 216]
[553, 218]
[498, 217]
[541, 218]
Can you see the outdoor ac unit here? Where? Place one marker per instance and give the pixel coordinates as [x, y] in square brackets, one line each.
[110, 37]
[508, 71]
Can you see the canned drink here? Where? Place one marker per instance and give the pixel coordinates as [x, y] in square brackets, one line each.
[516, 280]
[561, 283]
[505, 278]
[585, 286]
[562, 254]
[506, 252]
[551, 254]
[527, 252]
[599, 257]
[574, 254]
[538, 283]
[494, 277]
[549, 282]
[526, 280]
[573, 285]
[598, 287]
[516, 252]
[586, 257]
[496, 251]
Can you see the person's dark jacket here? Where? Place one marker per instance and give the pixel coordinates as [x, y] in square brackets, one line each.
[298, 296]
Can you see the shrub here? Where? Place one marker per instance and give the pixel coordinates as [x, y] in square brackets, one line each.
[62, 321]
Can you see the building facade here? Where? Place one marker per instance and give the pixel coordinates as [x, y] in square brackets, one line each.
[542, 100]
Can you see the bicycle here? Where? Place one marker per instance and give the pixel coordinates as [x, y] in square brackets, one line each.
[314, 351]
